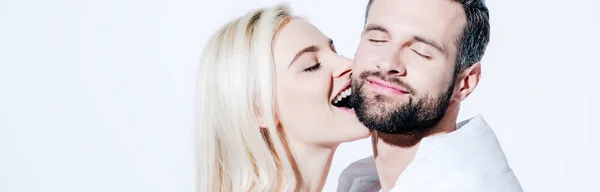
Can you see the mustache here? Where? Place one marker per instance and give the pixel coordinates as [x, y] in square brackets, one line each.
[366, 74]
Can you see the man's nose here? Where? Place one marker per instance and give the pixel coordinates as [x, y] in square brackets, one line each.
[392, 64]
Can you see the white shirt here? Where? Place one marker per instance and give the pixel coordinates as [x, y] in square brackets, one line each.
[468, 159]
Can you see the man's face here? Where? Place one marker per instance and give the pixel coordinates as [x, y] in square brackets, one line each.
[404, 65]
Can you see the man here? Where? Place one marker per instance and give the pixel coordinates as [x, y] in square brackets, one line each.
[417, 60]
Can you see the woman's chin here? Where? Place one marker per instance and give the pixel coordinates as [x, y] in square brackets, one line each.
[357, 131]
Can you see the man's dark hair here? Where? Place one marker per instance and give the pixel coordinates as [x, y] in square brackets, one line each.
[472, 42]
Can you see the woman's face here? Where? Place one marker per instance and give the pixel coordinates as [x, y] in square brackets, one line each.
[311, 78]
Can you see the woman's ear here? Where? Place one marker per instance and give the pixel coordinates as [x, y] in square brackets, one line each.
[263, 121]
[467, 81]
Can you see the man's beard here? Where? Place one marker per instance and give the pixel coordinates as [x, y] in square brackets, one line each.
[414, 118]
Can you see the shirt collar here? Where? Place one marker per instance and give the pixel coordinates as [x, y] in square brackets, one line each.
[363, 173]
[430, 144]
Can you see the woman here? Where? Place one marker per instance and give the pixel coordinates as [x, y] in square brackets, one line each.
[273, 105]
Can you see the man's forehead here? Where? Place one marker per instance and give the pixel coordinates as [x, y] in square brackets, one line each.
[423, 4]
[429, 14]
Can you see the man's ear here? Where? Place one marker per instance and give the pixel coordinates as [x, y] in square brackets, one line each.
[467, 81]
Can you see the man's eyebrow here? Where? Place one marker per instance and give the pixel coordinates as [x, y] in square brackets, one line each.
[429, 42]
[309, 49]
[375, 27]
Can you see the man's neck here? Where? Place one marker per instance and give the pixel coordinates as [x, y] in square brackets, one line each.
[391, 161]
[393, 153]
[313, 164]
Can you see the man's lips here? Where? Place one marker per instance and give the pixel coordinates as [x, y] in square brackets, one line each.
[385, 86]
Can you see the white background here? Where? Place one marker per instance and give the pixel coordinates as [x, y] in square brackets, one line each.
[99, 95]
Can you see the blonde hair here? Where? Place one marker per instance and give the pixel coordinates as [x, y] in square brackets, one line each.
[236, 84]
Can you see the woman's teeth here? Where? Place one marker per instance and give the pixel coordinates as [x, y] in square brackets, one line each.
[343, 95]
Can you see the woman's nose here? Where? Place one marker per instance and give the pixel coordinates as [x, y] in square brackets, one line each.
[343, 67]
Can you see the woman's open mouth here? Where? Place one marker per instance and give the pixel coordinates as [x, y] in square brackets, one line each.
[343, 98]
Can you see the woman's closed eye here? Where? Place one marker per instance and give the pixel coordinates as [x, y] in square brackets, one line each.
[314, 67]
[377, 40]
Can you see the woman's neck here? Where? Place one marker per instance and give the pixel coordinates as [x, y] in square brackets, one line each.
[313, 164]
